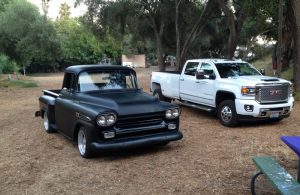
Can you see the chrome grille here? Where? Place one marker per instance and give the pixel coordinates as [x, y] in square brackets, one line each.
[272, 93]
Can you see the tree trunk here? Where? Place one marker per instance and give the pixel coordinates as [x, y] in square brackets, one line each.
[159, 54]
[234, 22]
[294, 5]
[158, 29]
[196, 30]
[24, 70]
[178, 40]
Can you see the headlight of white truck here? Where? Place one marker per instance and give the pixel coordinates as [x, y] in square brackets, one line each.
[106, 119]
[246, 90]
[172, 113]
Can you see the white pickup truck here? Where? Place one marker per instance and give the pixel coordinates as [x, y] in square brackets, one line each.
[234, 89]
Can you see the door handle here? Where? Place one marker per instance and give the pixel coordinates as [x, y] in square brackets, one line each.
[182, 79]
[202, 82]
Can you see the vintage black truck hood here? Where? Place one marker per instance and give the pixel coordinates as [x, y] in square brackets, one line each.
[124, 103]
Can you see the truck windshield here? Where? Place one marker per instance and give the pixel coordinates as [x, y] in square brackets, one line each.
[107, 80]
[236, 69]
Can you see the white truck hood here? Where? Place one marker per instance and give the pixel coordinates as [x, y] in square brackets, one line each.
[254, 80]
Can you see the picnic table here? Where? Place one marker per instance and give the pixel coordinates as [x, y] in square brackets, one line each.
[294, 143]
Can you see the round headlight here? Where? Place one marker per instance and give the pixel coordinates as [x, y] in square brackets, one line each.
[169, 114]
[106, 119]
[101, 120]
[175, 112]
[111, 119]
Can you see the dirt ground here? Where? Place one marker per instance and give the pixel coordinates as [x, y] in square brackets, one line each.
[210, 159]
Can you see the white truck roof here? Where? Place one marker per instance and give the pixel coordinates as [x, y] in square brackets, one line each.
[216, 60]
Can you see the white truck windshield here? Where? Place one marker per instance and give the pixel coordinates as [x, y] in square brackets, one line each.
[236, 69]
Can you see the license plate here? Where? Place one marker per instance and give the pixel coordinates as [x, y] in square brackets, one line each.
[274, 115]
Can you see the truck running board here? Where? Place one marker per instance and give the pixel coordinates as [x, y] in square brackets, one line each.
[197, 106]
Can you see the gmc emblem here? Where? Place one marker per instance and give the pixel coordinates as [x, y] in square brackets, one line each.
[275, 92]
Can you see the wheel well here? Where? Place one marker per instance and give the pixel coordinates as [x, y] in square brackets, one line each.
[223, 95]
[77, 127]
[155, 86]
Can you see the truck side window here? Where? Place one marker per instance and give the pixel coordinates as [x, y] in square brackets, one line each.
[207, 70]
[69, 81]
[191, 68]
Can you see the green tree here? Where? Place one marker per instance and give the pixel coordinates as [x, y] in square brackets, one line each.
[64, 11]
[115, 17]
[189, 25]
[3, 3]
[25, 35]
[80, 46]
[45, 7]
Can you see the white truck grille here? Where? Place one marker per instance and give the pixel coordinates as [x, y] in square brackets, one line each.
[272, 93]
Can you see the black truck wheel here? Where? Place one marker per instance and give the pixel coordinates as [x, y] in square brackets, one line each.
[84, 143]
[47, 126]
[157, 93]
[227, 113]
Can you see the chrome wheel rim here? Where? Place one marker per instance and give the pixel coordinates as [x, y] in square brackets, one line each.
[156, 95]
[226, 114]
[46, 121]
[81, 142]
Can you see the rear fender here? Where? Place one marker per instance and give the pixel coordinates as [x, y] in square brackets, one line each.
[47, 104]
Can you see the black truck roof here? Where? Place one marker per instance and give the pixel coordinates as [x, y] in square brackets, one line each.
[79, 68]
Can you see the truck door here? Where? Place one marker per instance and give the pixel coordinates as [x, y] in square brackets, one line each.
[204, 85]
[64, 114]
[187, 80]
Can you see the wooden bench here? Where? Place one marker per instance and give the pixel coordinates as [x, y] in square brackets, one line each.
[281, 180]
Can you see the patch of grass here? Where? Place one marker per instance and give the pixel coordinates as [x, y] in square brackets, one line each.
[265, 63]
[287, 74]
[17, 84]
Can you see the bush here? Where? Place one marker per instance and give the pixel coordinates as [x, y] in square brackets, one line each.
[7, 66]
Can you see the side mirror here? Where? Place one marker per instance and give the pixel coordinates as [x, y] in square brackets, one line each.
[200, 75]
[262, 71]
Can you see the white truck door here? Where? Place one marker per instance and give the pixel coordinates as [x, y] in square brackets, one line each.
[204, 87]
[187, 82]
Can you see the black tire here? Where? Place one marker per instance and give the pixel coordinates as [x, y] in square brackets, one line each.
[227, 113]
[46, 123]
[157, 93]
[84, 143]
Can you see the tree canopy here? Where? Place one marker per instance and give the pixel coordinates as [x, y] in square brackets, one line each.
[185, 29]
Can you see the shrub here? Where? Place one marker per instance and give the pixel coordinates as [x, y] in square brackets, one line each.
[7, 66]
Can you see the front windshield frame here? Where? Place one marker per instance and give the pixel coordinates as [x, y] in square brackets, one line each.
[235, 69]
[106, 80]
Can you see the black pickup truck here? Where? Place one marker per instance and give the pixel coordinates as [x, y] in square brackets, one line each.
[101, 108]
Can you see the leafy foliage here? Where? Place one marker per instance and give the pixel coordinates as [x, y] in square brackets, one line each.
[7, 66]
[80, 45]
[30, 38]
